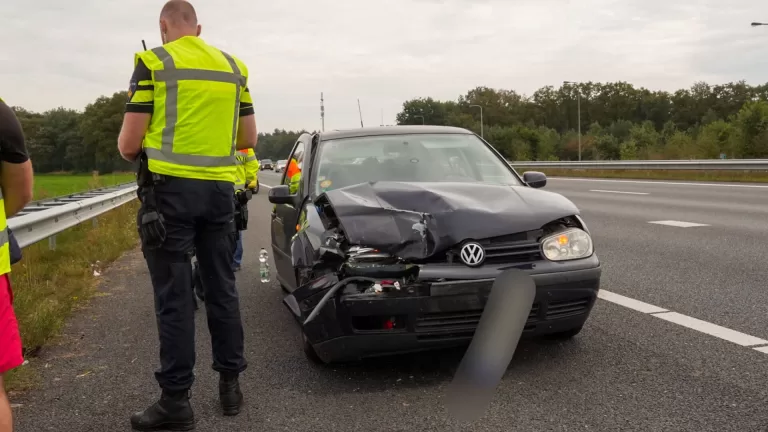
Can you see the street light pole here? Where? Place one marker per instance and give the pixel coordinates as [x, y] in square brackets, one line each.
[481, 119]
[578, 102]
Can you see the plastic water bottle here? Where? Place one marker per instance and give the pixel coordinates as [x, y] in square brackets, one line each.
[264, 265]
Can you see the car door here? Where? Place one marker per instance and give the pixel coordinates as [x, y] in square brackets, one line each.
[284, 220]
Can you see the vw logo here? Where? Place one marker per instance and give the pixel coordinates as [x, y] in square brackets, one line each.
[472, 254]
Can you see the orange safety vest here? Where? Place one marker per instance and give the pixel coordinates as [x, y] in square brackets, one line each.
[293, 169]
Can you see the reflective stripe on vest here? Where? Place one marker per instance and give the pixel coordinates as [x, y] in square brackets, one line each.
[240, 182]
[171, 76]
[5, 251]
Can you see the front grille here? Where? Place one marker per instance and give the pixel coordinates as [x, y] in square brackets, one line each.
[462, 324]
[509, 249]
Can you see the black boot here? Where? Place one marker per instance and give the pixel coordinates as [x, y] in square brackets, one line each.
[172, 412]
[230, 395]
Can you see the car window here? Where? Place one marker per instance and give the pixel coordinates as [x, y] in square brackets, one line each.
[298, 154]
[412, 158]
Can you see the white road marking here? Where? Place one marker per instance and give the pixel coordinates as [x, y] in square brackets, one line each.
[660, 182]
[705, 327]
[629, 302]
[680, 224]
[266, 186]
[619, 192]
[712, 329]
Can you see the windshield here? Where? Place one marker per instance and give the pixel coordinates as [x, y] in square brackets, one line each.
[410, 158]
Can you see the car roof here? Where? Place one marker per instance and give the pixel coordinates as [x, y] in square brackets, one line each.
[391, 130]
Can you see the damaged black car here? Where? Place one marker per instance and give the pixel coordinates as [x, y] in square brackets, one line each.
[391, 240]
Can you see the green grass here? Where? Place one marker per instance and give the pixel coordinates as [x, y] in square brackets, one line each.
[52, 185]
[712, 176]
[49, 285]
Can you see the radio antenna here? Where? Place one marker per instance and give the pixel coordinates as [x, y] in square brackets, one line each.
[361, 112]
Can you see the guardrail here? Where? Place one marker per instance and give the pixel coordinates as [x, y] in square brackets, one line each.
[700, 164]
[45, 218]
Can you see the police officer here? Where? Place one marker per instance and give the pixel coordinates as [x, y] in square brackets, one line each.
[247, 178]
[15, 193]
[189, 111]
[293, 171]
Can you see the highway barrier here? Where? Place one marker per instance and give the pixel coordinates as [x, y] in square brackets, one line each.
[693, 164]
[46, 218]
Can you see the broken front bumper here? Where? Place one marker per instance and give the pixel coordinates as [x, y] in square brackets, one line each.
[355, 326]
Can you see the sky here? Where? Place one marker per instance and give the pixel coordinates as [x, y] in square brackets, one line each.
[65, 53]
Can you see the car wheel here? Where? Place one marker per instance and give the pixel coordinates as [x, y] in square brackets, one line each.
[565, 335]
[309, 351]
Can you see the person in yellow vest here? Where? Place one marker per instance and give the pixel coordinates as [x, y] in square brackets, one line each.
[16, 188]
[189, 110]
[247, 178]
[293, 171]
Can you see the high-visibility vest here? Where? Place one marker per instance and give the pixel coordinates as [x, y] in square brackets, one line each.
[293, 173]
[5, 251]
[247, 168]
[197, 92]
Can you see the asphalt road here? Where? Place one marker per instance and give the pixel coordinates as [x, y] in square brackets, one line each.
[673, 346]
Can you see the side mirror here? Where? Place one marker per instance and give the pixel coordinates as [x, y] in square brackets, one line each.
[534, 179]
[281, 195]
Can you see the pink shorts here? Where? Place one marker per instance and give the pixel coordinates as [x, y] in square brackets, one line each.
[10, 340]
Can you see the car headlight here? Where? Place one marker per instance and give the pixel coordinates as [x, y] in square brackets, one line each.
[567, 245]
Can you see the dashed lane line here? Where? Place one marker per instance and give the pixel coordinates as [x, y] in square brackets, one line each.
[679, 224]
[705, 327]
[619, 192]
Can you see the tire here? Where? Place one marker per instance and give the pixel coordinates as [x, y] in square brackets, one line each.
[309, 351]
[565, 335]
[256, 189]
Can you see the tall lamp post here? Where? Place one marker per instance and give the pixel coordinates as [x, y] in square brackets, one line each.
[481, 119]
[422, 119]
[578, 101]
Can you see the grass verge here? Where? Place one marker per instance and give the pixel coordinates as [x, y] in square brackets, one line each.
[58, 184]
[712, 176]
[49, 285]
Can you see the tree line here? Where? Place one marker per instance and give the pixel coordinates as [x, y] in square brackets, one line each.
[618, 121]
[67, 140]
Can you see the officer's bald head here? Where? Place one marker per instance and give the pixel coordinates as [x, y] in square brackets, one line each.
[178, 19]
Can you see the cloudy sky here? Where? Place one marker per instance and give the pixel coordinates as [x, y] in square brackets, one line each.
[66, 53]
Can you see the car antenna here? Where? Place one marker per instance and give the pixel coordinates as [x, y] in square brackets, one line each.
[361, 112]
[144, 44]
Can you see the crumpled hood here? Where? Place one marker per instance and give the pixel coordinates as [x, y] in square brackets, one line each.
[418, 220]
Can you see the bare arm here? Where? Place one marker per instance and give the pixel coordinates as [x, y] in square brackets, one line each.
[15, 169]
[247, 136]
[138, 112]
[132, 133]
[17, 186]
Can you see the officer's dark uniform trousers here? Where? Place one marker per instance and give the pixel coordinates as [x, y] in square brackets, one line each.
[199, 216]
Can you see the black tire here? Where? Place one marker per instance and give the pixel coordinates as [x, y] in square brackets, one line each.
[309, 351]
[565, 335]
[256, 189]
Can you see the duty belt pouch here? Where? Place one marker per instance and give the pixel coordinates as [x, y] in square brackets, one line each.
[150, 222]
